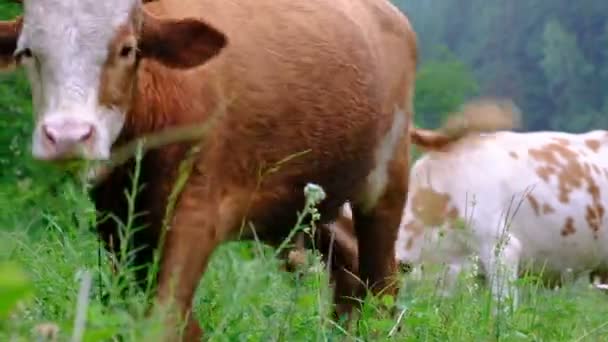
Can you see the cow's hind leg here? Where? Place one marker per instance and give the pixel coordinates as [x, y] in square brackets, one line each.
[377, 224]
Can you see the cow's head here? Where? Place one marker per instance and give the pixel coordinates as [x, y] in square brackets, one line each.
[81, 58]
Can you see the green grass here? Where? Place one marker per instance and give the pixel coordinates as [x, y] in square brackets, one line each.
[245, 296]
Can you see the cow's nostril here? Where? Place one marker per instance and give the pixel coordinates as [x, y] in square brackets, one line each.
[405, 267]
[88, 134]
[68, 134]
[48, 134]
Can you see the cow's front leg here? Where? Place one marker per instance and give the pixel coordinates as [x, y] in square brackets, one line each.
[501, 261]
[200, 223]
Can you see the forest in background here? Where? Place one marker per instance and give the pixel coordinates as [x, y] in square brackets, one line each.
[550, 57]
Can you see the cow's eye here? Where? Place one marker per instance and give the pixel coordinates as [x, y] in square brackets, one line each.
[126, 51]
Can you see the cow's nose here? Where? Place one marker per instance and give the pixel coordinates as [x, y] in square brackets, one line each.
[65, 138]
[405, 267]
[67, 134]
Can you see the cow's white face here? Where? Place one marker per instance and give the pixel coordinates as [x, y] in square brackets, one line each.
[64, 45]
[81, 60]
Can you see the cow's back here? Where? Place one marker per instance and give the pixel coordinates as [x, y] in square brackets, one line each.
[278, 46]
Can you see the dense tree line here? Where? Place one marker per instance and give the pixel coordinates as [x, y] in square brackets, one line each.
[550, 57]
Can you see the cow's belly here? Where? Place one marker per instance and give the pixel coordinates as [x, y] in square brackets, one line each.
[553, 241]
[546, 249]
[555, 235]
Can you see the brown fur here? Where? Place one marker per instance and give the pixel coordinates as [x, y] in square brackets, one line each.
[570, 175]
[594, 145]
[319, 76]
[548, 209]
[430, 207]
[568, 227]
[8, 41]
[344, 246]
[534, 204]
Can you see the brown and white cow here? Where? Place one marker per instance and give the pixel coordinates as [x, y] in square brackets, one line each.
[331, 78]
[521, 202]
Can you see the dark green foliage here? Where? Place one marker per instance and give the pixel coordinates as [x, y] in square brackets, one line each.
[441, 86]
[15, 115]
[551, 57]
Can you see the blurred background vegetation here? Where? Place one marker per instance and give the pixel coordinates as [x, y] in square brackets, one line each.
[550, 57]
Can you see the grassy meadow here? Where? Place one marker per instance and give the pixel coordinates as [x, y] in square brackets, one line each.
[48, 251]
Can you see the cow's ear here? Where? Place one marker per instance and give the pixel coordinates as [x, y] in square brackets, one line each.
[179, 43]
[9, 33]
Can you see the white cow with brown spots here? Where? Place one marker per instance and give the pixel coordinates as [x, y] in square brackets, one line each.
[519, 201]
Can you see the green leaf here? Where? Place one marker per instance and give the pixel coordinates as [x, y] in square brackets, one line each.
[388, 301]
[14, 287]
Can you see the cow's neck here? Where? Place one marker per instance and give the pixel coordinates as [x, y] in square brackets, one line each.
[163, 98]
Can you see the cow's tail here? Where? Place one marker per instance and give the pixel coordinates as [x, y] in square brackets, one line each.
[478, 116]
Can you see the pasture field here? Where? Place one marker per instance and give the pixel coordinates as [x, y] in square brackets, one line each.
[47, 246]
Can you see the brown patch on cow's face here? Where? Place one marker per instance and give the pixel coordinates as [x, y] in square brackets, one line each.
[453, 213]
[547, 209]
[568, 227]
[534, 204]
[513, 155]
[593, 144]
[571, 175]
[416, 229]
[409, 244]
[432, 208]
[119, 72]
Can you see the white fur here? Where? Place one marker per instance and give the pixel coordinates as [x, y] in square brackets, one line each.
[488, 187]
[69, 40]
[378, 178]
